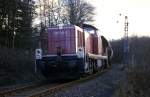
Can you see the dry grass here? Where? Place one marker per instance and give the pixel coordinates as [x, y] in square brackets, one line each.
[135, 84]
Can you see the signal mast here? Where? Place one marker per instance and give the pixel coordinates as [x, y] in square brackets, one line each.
[126, 42]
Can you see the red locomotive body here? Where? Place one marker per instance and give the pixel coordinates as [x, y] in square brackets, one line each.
[73, 51]
[71, 38]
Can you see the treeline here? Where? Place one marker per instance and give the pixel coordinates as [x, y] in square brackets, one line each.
[135, 83]
[139, 48]
[16, 43]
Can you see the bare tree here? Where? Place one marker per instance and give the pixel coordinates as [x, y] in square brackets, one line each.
[79, 11]
[49, 12]
[54, 12]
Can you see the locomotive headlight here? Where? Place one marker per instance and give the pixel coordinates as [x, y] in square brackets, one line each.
[80, 52]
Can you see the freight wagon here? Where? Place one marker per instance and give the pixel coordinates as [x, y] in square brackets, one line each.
[73, 52]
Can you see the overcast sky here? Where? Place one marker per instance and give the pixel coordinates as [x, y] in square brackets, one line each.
[107, 15]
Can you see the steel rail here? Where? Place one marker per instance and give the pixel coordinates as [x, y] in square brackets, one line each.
[56, 88]
[39, 90]
[10, 91]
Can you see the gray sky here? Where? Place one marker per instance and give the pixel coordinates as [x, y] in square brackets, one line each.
[107, 15]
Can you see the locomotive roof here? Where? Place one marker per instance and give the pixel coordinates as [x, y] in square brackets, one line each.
[89, 26]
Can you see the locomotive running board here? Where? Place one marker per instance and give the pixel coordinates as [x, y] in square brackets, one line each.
[94, 56]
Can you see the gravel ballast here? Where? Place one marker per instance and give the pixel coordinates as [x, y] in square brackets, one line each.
[102, 86]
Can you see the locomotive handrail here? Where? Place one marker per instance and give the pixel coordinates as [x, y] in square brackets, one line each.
[97, 56]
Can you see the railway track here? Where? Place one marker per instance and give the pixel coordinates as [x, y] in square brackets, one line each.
[8, 91]
[46, 89]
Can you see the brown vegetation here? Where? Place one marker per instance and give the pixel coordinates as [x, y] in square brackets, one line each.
[16, 66]
[136, 82]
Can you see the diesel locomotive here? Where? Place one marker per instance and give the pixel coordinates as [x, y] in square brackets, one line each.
[73, 51]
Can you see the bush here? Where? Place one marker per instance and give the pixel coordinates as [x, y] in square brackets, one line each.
[136, 82]
[135, 85]
[16, 66]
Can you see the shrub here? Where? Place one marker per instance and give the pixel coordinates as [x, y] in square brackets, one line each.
[16, 66]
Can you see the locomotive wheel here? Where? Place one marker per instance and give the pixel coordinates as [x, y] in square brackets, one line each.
[90, 67]
[104, 64]
[108, 63]
[94, 67]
